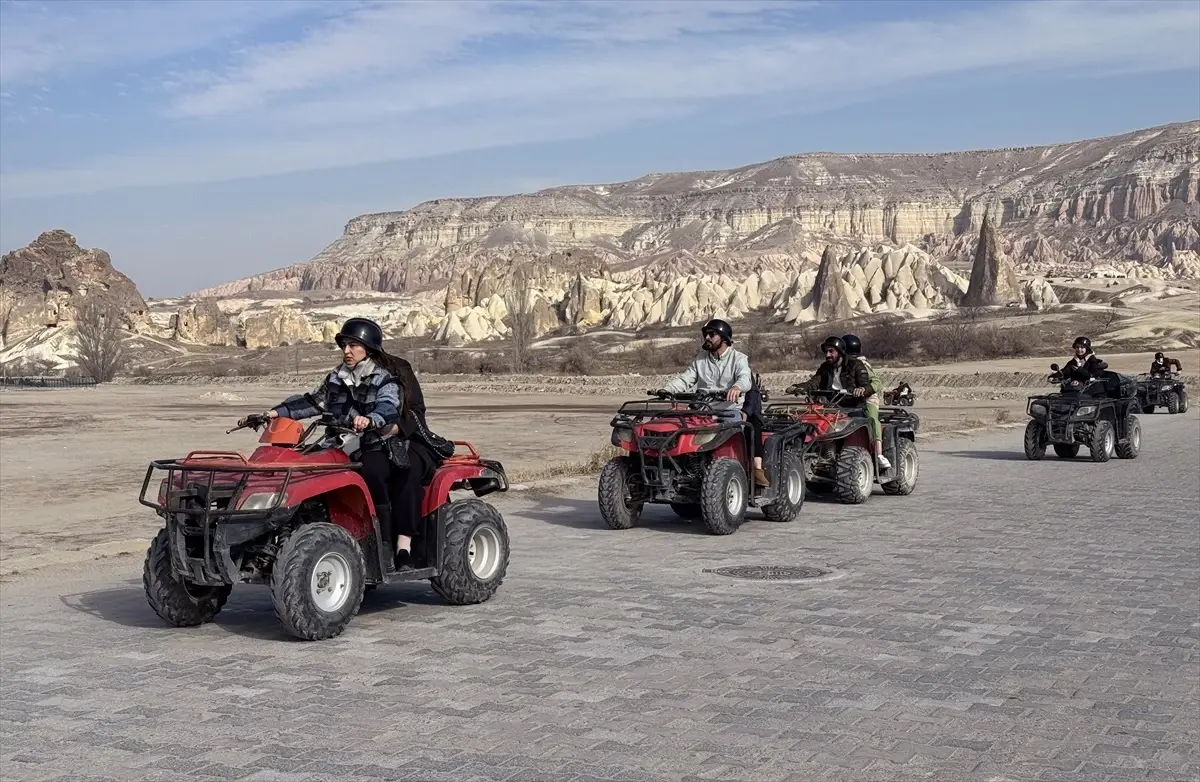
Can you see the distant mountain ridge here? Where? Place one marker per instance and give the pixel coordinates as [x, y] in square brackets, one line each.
[1129, 200]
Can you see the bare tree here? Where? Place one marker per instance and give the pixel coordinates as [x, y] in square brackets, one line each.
[101, 344]
[520, 316]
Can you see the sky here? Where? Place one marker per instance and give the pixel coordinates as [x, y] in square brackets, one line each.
[200, 142]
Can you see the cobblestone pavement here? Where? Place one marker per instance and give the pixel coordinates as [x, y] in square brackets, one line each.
[1008, 621]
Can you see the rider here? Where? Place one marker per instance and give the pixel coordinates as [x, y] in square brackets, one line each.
[1161, 366]
[368, 390]
[854, 350]
[1084, 366]
[843, 372]
[720, 368]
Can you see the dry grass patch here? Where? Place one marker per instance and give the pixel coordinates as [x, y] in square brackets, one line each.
[588, 466]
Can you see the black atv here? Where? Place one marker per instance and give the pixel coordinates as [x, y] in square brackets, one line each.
[1100, 414]
[903, 397]
[1162, 391]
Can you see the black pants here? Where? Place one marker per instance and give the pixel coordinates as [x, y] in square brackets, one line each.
[401, 489]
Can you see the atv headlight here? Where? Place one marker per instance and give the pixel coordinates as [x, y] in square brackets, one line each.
[838, 426]
[703, 438]
[1085, 411]
[624, 435]
[1039, 410]
[260, 501]
[162, 493]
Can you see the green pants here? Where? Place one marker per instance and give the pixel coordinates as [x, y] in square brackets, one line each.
[873, 426]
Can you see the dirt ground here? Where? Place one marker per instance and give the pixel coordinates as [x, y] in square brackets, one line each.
[72, 460]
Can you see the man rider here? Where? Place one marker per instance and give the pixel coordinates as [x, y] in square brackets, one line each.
[843, 372]
[1084, 366]
[719, 368]
[854, 350]
[1161, 366]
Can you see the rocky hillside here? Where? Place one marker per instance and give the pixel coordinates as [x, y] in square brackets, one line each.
[1129, 201]
[43, 285]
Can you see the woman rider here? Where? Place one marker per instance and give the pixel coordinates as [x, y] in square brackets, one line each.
[377, 391]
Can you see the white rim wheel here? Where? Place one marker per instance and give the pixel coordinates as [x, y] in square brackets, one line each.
[483, 552]
[910, 463]
[733, 497]
[330, 585]
[795, 486]
[1110, 442]
[864, 478]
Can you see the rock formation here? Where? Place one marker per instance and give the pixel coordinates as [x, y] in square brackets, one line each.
[1127, 198]
[993, 281]
[43, 285]
[204, 323]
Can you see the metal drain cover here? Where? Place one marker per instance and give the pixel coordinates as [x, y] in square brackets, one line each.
[769, 572]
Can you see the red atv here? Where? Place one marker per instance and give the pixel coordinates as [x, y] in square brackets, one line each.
[838, 458]
[682, 453]
[300, 519]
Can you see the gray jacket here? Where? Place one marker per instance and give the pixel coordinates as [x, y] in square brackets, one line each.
[709, 373]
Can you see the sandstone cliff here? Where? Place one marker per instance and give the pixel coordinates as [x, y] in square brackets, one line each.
[1123, 199]
[43, 284]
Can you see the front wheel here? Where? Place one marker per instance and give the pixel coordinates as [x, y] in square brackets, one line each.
[317, 581]
[1173, 403]
[1103, 442]
[853, 483]
[789, 495]
[176, 600]
[1035, 441]
[1133, 439]
[1183, 401]
[476, 555]
[723, 496]
[618, 507]
[907, 465]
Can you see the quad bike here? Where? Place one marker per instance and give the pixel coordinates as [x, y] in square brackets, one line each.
[1162, 391]
[299, 518]
[838, 459]
[1100, 414]
[901, 398]
[680, 452]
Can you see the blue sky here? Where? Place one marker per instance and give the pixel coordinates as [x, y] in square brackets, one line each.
[203, 141]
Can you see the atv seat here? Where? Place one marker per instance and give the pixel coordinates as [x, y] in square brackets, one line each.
[1117, 385]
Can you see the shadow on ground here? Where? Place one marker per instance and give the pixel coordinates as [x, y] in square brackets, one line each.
[585, 515]
[1000, 456]
[248, 613]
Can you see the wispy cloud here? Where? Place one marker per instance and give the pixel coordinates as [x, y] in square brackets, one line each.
[368, 81]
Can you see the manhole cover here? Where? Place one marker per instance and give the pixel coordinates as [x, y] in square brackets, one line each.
[769, 572]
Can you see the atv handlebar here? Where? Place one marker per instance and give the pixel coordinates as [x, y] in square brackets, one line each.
[695, 396]
[831, 396]
[343, 424]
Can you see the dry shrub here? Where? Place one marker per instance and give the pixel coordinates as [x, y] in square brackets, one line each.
[579, 360]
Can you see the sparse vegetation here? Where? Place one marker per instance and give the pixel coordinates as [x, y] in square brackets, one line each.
[101, 352]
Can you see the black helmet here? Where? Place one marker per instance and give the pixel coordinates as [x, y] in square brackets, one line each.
[837, 343]
[1084, 341]
[365, 332]
[853, 344]
[720, 327]
[1158, 355]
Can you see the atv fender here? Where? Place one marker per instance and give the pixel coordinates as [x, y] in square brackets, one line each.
[345, 493]
[482, 477]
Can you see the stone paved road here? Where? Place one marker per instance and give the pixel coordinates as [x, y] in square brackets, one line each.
[1008, 621]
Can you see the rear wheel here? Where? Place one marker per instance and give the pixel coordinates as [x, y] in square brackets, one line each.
[1133, 439]
[476, 555]
[317, 581]
[790, 492]
[1035, 441]
[1148, 409]
[1173, 403]
[1103, 442]
[1064, 451]
[854, 480]
[177, 601]
[723, 496]
[617, 506]
[907, 467]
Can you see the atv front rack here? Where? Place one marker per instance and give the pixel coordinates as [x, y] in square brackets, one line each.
[212, 463]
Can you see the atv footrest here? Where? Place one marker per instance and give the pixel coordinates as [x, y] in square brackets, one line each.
[416, 574]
